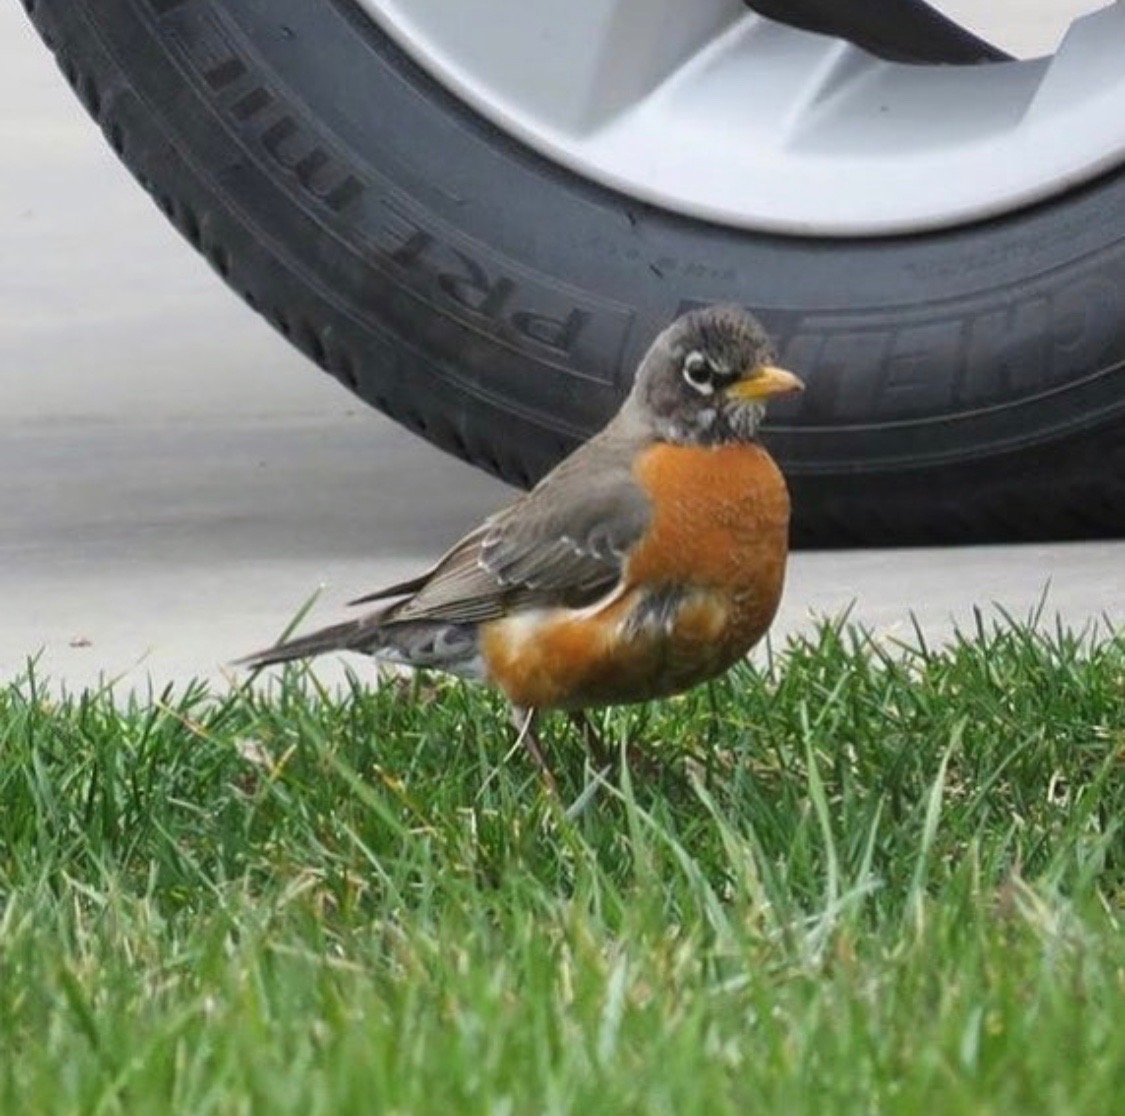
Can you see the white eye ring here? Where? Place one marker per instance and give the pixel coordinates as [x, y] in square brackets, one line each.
[698, 372]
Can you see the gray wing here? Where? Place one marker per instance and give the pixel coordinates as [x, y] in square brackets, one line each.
[564, 543]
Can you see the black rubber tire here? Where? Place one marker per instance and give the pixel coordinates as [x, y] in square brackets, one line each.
[966, 385]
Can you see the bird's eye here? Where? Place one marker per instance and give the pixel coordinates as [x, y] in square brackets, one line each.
[699, 373]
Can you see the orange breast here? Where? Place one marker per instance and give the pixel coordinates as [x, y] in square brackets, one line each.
[719, 533]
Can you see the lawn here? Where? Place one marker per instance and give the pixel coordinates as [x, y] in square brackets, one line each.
[859, 878]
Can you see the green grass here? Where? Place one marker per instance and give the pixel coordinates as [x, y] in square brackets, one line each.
[858, 881]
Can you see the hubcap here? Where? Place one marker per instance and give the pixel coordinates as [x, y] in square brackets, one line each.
[709, 110]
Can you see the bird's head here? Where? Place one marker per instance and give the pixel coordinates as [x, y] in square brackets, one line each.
[706, 379]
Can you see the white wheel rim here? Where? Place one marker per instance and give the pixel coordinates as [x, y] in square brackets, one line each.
[709, 110]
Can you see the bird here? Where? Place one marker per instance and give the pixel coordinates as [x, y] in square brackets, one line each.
[650, 560]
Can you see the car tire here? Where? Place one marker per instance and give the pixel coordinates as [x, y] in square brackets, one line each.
[966, 384]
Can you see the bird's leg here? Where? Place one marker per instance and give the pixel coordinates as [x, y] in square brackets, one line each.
[639, 761]
[523, 721]
[592, 739]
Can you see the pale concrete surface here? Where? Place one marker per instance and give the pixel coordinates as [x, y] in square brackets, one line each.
[175, 481]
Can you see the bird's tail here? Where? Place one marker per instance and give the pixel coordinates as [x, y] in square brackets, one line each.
[352, 635]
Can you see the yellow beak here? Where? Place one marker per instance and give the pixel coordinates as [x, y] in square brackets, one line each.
[764, 381]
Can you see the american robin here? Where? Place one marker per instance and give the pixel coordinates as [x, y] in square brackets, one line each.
[649, 560]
